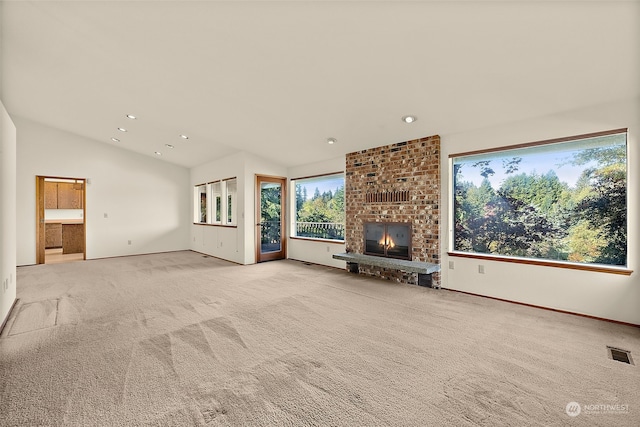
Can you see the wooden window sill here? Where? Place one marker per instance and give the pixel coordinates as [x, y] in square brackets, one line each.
[599, 268]
[215, 225]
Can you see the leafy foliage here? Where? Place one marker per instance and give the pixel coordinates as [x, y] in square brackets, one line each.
[270, 209]
[538, 216]
[604, 208]
[323, 213]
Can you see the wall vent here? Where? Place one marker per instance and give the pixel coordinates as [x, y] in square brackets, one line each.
[620, 355]
[387, 196]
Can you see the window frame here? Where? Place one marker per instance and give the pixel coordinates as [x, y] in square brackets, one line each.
[197, 203]
[230, 201]
[294, 212]
[227, 219]
[216, 198]
[603, 268]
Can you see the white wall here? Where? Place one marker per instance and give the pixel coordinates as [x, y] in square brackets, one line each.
[220, 241]
[238, 244]
[605, 295]
[233, 244]
[146, 200]
[318, 252]
[7, 213]
[255, 165]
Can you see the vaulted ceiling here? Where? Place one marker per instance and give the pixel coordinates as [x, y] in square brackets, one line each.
[278, 78]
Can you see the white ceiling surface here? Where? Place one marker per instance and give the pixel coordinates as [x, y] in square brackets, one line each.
[278, 78]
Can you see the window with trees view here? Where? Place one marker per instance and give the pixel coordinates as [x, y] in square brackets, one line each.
[319, 207]
[563, 201]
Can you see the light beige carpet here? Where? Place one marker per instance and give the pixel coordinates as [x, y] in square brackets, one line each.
[178, 339]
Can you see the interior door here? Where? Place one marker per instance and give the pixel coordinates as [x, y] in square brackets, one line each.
[270, 230]
[66, 231]
[40, 230]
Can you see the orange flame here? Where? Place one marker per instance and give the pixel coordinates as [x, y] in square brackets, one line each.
[387, 241]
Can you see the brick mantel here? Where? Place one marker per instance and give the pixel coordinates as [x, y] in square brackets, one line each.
[396, 183]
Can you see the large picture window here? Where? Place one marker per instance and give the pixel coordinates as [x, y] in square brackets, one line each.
[562, 200]
[319, 207]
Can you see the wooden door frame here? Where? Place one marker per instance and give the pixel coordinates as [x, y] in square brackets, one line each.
[40, 224]
[40, 232]
[283, 218]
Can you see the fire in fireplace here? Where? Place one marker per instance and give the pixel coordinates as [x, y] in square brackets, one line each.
[388, 239]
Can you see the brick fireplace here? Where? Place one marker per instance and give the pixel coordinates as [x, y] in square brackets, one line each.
[397, 183]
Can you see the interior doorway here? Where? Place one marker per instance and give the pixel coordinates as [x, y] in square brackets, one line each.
[270, 229]
[60, 219]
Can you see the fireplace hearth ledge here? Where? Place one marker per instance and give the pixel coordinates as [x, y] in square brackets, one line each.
[422, 268]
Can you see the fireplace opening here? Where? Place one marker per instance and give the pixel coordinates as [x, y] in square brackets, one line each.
[387, 239]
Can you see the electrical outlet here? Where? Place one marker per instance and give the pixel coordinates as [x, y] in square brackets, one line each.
[328, 250]
[450, 265]
[128, 242]
[481, 269]
[194, 238]
[106, 215]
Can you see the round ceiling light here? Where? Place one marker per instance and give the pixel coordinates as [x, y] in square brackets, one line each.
[169, 146]
[115, 139]
[122, 129]
[331, 141]
[157, 153]
[131, 116]
[409, 119]
[183, 136]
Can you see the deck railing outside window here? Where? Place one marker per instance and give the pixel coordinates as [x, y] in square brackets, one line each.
[320, 230]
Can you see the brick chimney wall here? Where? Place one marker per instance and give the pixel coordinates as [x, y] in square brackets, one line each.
[375, 178]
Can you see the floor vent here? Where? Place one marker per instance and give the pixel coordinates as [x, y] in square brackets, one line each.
[620, 355]
[206, 256]
[307, 263]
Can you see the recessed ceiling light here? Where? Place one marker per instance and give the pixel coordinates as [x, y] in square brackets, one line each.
[409, 119]
[183, 136]
[331, 140]
[158, 153]
[122, 129]
[131, 116]
[115, 139]
[169, 146]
